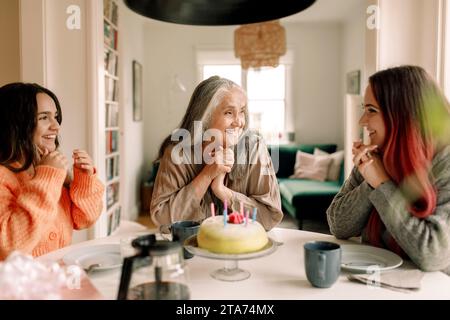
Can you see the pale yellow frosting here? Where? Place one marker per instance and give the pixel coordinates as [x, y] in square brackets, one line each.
[231, 239]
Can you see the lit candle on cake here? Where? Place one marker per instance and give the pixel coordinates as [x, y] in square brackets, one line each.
[254, 215]
[247, 215]
[242, 209]
[212, 210]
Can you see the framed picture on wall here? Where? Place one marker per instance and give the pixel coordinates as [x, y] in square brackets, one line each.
[353, 82]
[137, 91]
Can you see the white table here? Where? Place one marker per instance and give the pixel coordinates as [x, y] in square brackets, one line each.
[280, 275]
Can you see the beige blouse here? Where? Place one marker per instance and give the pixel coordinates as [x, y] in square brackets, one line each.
[252, 181]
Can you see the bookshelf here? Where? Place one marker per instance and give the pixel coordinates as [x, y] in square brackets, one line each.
[111, 116]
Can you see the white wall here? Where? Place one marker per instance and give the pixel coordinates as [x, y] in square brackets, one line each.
[372, 40]
[353, 58]
[32, 41]
[317, 70]
[131, 47]
[353, 43]
[66, 72]
[317, 98]
[9, 38]
[409, 34]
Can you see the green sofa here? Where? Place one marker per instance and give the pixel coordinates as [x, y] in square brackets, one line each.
[303, 198]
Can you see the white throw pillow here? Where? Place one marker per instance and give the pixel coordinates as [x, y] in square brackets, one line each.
[335, 167]
[309, 166]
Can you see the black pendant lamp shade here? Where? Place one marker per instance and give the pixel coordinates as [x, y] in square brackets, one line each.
[217, 12]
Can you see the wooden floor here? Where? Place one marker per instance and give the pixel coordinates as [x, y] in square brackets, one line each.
[144, 218]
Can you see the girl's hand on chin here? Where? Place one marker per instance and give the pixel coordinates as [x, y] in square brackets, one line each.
[83, 161]
[373, 171]
[54, 159]
[41, 153]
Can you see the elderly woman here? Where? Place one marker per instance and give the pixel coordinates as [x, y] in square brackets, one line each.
[224, 163]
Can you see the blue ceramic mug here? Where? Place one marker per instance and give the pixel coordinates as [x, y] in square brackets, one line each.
[181, 230]
[322, 263]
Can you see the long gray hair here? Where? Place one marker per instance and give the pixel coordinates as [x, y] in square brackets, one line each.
[204, 100]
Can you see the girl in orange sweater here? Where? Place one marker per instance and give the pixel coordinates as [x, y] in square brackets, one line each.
[40, 204]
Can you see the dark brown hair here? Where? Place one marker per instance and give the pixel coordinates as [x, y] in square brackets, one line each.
[18, 121]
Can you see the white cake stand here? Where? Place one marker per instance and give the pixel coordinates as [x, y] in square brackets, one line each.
[231, 270]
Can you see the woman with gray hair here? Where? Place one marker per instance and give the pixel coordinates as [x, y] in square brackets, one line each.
[217, 160]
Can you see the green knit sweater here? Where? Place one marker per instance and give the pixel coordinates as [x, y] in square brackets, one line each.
[425, 241]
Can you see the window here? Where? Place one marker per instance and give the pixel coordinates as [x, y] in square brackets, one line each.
[266, 91]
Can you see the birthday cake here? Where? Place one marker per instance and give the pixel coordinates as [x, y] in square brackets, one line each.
[235, 236]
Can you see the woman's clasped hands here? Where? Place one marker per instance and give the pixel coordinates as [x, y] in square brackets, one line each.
[367, 159]
[222, 161]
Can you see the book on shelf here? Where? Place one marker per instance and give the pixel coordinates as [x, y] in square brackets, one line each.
[112, 115]
[111, 11]
[108, 89]
[116, 166]
[112, 194]
[107, 8]
[117, 213]
[116, 40]
[110, 36]
[109, 169]
[114, 13]
[110, 62]
[110, 220]
[106, 58]
[109, 172]
[107, 33]
[116, 90]
[112, 141]
[114, 220]
[111, 89]
[109, 196]
[112, 168]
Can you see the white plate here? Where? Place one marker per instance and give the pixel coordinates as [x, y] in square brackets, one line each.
[107, 256]
[362, 258]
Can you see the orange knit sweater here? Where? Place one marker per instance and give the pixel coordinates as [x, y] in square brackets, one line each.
[38, 214]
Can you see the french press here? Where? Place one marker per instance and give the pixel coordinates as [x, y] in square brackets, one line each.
[156, 272]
